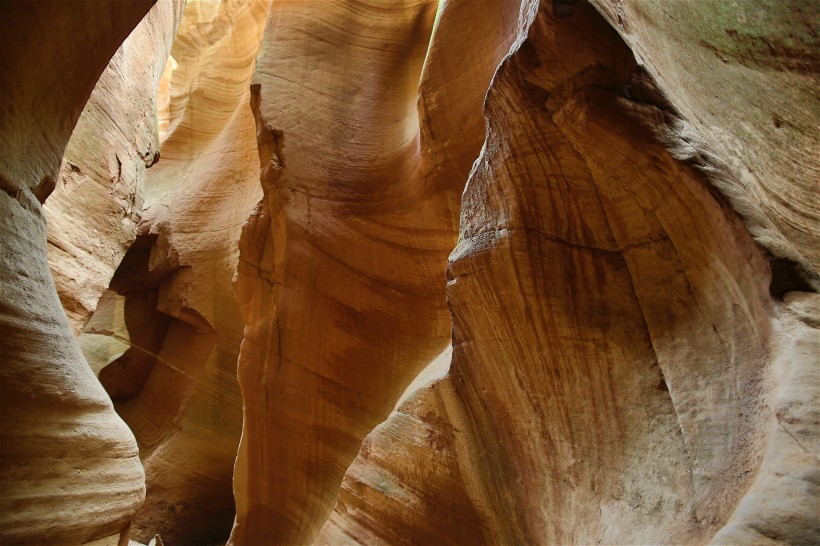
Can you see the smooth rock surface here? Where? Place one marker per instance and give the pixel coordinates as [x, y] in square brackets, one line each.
[367, 126]
[69, 467]
[621, 372]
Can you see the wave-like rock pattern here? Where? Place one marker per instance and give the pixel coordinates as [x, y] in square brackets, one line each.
[630, 309]
[69, 468]
[621, 371]
[171, 299]
[367, 127]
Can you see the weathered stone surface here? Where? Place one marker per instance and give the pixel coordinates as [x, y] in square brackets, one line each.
[743, 77]
[631, 300]
[621, 371]
[94, 210]
[168, 332]
[341, 282]
[69, 470]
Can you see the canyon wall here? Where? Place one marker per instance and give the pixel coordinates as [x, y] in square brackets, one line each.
[742, 77]
[164, 337]
[186, 412]
[69, 468]
[98, 200]
[365, 139]
[624, 368]
[410, 272]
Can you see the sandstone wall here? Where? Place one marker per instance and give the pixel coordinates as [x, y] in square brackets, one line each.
[742, 77]
[365, 139]
[624, 368]
[69, 470]
[170, 324]
[98, 201]
[609, 335]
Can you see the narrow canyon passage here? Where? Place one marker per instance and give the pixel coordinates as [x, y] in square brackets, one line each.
[409, 272]
[611, 336]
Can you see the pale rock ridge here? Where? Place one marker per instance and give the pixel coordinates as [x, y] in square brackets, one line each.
[171, 316]
[94, 211]
[782, 504]
[743, 76]
[622, 371]
[69, 468]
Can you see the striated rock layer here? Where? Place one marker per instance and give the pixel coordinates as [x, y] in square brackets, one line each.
[621, 371]
[622, 349]
[94, 211]
[170, 322]
[743, 77]
[69, 470]
[367, 127]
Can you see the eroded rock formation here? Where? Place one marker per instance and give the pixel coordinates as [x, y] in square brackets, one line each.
[98, 201]
[622, 347]
[170, 324]
[69, 468]
[188, 416]
[743, 77]
[363, 156]
[621, 373]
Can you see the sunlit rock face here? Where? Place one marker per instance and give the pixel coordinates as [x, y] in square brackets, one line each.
[165, 337]
[69, 467]
[98, 200]
[598, 327]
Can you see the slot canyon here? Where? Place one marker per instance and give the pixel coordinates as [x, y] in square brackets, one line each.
[409, 272]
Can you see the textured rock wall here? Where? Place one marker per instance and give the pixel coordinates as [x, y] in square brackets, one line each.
[631, 300]
[621, 372]
[69, 470]
[171, 299]
[364, 148]
[743, 77]
[94, 211]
